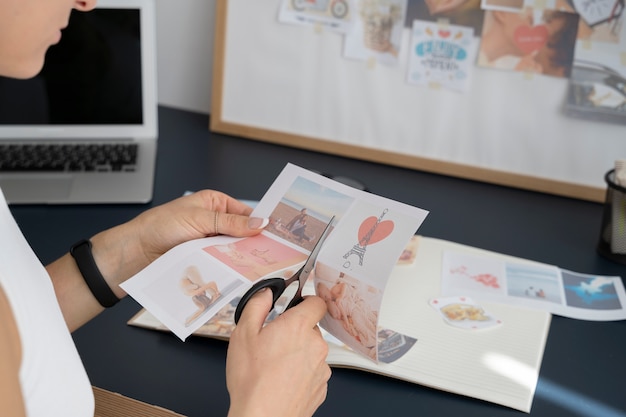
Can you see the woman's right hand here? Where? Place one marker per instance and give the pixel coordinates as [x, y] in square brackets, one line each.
[279, 369]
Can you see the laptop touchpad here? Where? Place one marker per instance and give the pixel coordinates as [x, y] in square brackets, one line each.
[35, 189]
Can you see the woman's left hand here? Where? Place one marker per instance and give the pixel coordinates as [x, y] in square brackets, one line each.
[201, 214]
[126, 249]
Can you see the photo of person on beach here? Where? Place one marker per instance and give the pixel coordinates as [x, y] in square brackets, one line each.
[304, 211]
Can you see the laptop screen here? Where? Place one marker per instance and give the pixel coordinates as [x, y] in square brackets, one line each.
[98, 81]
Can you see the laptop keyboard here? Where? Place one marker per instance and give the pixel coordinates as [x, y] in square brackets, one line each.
[68, 157]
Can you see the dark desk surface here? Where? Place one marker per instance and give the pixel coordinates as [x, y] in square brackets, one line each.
[584, 367]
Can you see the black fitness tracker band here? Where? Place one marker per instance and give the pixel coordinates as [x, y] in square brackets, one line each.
[81, 252]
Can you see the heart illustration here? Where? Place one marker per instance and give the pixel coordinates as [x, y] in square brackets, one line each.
[530, 39]
[383, 230]
[444, 33]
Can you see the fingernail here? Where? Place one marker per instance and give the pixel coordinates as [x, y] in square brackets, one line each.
[257, 222]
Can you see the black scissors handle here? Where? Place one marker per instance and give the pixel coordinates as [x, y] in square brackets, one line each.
[277, 285]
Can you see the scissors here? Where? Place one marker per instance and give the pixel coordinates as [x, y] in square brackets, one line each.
[279, 285]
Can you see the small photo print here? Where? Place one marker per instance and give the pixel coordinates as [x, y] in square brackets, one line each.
[353, 309]
[474, 274]
[190, 289]
[393, 345]
[377, 31]
[505, 5]
[464, 313]
[256, 257]
[600, 20]
[368, 242]
[222, 324]
[335, 15]
[592, 293]
[304, 211]
[531, 41]
[441, 54]
[539, 283]
[467, 13]
[409, 253]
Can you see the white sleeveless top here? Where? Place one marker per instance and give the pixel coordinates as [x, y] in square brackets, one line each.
[53, 379]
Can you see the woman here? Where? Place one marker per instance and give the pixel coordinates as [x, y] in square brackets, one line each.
[40, 369]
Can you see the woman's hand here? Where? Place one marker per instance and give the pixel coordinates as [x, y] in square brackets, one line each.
[280, 369]
[124, 250]
[198, 215]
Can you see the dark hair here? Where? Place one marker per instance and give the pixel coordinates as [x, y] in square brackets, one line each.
[562, 42]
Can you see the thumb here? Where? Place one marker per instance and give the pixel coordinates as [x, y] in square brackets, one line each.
[237, 225]
[256, 310]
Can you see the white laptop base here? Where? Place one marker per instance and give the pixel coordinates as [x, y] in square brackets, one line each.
[85, 187]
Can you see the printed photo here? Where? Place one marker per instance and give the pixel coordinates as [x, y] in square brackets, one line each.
[368, 241]
[222, 324]
[505, 5]
[441, 55]
[257, 256]
[473, 274]
[335, 15]
[190, 289]
[304, 212]
[467, 13]
[393, 345]
[534, 282]
[353, 308]
[464, 313]
[593, 293]
[600, 20]
[409, 253]
[532, 41]
[377, 31]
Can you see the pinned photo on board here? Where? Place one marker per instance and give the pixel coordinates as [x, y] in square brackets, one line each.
[377, 31]
[441, 55]
[600, 20]
[505, 5]
[335, 15]
[466, 13]
[531, 41]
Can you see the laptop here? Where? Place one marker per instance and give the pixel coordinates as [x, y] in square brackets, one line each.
[84, 131]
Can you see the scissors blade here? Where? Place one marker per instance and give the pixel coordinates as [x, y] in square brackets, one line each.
[310, 262]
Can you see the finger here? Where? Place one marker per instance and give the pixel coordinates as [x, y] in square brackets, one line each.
[256, 310]
[235, 206]
[218, 201]
[237, 225]
[313, 308]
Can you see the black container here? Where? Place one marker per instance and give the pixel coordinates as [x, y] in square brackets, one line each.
[612, 244]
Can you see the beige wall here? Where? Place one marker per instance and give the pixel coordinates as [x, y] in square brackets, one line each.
[185, 53]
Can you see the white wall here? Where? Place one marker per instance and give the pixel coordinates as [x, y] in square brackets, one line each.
[185, 53]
